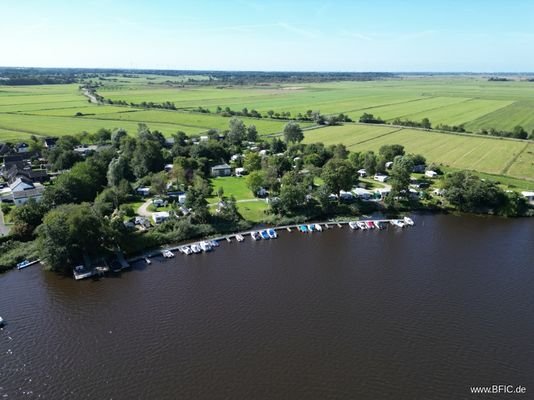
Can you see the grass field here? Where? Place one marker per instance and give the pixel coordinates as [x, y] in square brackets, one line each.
[249, 207]
[490, 155]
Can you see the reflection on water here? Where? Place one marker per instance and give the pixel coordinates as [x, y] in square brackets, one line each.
[420, 313]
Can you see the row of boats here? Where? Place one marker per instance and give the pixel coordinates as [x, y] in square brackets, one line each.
[365, 225]
[265, 234]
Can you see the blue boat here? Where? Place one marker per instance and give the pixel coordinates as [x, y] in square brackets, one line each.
[303, 228]
[23, 264]
[272, 233]
[264, 235]
[311, 228]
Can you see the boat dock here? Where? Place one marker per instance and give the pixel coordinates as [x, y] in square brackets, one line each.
[262, 234]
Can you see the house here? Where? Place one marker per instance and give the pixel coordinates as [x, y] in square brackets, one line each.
[159, 217]
[22, 189]
[85, 150]
[221, 170]
[381, 178]
[362, 173]
[34, 175]
[143, 191]
[240, 171]
[50, 143]
[431, 174]
[22, 147]
[529, 196]
[363, 194]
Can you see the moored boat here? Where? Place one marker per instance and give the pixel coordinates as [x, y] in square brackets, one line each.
[303, 228]
[214, 243]
[362, 225]
[196, 248]
[264, 235]
[23, 264]
[2, 322]
[397, 223]
[353, 225]
[205, 246]
[272, 233]
[408, 221]
[187, 250]
[255, 235]
[167, 254]
[239, 237]
[147, 260]
[311, 228]
[318, 228]
[370, 224]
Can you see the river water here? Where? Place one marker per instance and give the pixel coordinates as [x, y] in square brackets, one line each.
[420, 313]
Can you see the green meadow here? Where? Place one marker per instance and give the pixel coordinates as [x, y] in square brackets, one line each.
[55, 110]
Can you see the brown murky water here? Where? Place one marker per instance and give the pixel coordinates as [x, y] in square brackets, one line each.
[422, 313]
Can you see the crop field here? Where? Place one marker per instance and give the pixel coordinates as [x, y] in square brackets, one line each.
[490, 155]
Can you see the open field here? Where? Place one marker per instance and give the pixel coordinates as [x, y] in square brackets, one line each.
[484, 154]
[474, 101]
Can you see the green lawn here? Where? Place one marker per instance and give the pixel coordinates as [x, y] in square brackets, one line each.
[232, 185]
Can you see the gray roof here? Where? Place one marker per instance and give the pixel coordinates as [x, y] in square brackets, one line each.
[221, 166]
[38, 191]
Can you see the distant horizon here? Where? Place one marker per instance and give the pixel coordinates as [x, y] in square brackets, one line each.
[269, 70]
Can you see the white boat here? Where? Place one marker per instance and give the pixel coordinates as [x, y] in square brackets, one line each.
[311, 228]
[288, 229]
[239, 237]
[397, 223]
[255, 235]
[272, 233]
[187, 250]
[362, 225]
[353, 225]
[2, 322]
[378, 225]
[214, 243]
[408, 221]
[23, 264]
[318, 228]
[167, 254]
[147, 260]
[205, 246]
[196, 248]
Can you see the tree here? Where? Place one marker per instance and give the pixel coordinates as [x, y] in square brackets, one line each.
[256, 181]
[116, 137]
[147, 157]
[293, 133]
[68, 232]
[369, 162]
[400, 176]
[159, 183]
[252, 161]
[237, 132]
[118, 170]
[195, 199]
[252, 133]
[519, 132]
[338, 175]
[26, 219]
[425, 123]
[389, 151]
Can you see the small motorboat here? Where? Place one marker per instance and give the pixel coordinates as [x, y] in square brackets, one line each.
[303, 228]
[214, 243]
[187, 250]
[264, 235]
[272, 233]
[362, 225]
[353, 225]
[378, 225]
[2, 322]
[147, 260]
[205, 246]
[397, 223]
[167, 254]
[311, 228]
[318, 228]
[408, 221]
[370, 224]
[239, 237]
[255, 235]
[196, 248]
[23, 264]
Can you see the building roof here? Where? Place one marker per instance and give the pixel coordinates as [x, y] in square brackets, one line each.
[22, 194]
[221, 166]
[19, 180]
[528, 194]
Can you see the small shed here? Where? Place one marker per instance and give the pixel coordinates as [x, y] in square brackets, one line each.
[221, 170]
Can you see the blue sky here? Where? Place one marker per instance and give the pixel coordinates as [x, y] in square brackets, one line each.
[478, 36]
